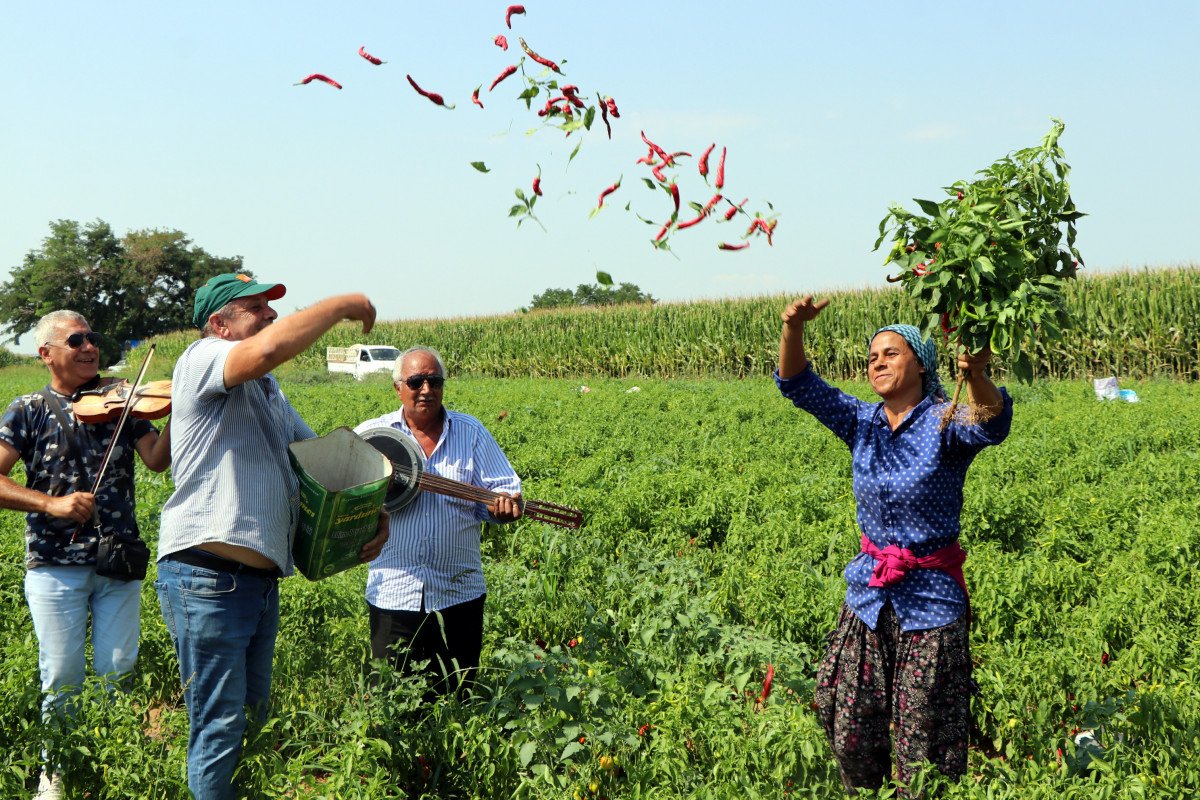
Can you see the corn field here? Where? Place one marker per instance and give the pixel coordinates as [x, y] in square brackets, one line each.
[1135, 325]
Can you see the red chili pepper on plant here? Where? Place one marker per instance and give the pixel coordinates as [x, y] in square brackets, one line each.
[501, 42]
[509, 70]
[433, 97]
[316, 76]
[545, 62]
[721, 170]
[362, 51]
[704, 160]
[510, 11]
[766, 690]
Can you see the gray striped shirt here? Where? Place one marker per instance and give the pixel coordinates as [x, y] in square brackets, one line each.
[433, 547]
[233, 482]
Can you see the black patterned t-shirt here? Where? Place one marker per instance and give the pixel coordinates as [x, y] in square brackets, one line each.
[30, 427]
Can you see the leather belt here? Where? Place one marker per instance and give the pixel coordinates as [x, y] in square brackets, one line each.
[207, 560]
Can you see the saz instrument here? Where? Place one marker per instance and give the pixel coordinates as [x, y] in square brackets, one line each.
[409, 477]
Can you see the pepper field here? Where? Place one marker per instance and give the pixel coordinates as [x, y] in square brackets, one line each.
[719, 520]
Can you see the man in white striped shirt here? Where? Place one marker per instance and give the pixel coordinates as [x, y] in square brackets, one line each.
[426, 591]
[226, 532]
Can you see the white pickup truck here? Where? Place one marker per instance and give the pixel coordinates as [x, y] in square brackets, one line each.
[361, 359]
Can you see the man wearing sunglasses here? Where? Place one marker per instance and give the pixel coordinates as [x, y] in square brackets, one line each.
[64, 519]
[425, 591]
[226, 535]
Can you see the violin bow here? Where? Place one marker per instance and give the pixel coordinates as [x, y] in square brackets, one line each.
[116, 435]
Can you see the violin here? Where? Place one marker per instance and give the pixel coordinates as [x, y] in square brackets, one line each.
[107, 402]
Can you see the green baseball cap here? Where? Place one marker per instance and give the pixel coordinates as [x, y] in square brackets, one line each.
[213, 296]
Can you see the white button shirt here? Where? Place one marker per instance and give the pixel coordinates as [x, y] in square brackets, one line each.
[433, 549]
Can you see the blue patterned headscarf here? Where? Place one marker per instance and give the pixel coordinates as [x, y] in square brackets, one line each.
[926, 352]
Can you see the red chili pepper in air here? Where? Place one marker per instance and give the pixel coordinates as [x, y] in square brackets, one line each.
[658, 151]
[501, 41]
[727, 246]
[362, 51]
[647, 159]
[607, 192]
[729, 214]
[712, 203]
[570, 90]
[657, 173]
[674, 190]
[433, 97]
[508, 14]
[475, 96]
[316, 76]
[545, 62]
[537, 186]
[604, 116]
[509, 70]
[704, 160]
[684, 225]
[721, 170]
[663, 232]
[611, 104]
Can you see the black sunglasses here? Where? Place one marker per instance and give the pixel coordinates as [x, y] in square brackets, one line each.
[414, 382]
[75, 340]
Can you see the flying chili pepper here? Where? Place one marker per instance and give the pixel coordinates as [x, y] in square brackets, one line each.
[604, 116]
[683, 225]
[607, 192]
[663, 232]
[570, 90]
[501, 41]
[362, 51]
[475, 96]
[509, 70]
[704, 160]
[728, 246]
[674, 190]
[612, 108]
[721, 170]
[545, 62]
[657, 173]
[316, 76]
[658, 151]
[433, 97]
[729, 214]
[508, 14]
[647, 159]
[712, 203]
[537, 186]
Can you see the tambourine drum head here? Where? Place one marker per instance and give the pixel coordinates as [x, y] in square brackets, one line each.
[407, 465]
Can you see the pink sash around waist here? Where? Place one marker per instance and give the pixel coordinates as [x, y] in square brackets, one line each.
[893, 562]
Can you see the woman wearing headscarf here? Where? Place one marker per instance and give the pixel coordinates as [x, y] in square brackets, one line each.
[898, 665]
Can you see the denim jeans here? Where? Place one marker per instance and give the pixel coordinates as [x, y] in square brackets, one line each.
[60, 599]
[223, 625]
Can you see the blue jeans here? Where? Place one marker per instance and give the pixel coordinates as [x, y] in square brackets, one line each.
[223, 625]
[60, 599]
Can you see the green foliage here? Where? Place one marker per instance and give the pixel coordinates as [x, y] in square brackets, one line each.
[129, 288]
[990, 262]
[719, 521]
[591, 294]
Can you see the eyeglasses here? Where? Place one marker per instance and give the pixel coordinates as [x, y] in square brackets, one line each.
[76, 340]
[415, 382]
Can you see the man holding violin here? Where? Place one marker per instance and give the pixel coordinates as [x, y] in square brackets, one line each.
[65, 520]
[226, 535]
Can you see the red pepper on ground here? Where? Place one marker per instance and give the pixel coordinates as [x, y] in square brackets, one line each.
[508, 14]
[537, 186]
[316, 76]
[509, 70]
[607, 192]
[475, 96]
[362, 51]
[433, 97]
[721, 170]
[704, 160]
[501, 41]
[545, 62]
[729, 214]
[727, 246]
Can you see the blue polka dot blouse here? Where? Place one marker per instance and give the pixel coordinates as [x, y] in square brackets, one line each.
[908, 484]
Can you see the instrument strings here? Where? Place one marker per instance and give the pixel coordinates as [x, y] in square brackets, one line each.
[547, 512]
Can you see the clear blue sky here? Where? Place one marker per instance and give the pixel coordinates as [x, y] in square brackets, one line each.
[184, 116]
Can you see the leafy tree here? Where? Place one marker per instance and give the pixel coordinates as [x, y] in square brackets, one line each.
[129, 288]
[590, 294]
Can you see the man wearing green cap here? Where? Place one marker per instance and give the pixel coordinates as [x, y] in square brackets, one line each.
[226, 531]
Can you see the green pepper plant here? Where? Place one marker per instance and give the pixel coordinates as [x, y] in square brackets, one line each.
[989, 264]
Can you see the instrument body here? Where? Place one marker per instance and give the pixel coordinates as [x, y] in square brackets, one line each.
[409, 477]
[152, 400]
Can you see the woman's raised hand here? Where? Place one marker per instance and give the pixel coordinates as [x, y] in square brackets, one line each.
[802, 310]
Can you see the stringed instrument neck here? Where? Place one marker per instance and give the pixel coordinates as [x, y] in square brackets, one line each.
[550, 513]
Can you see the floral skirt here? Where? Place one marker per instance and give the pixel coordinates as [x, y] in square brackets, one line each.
[912, 687]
